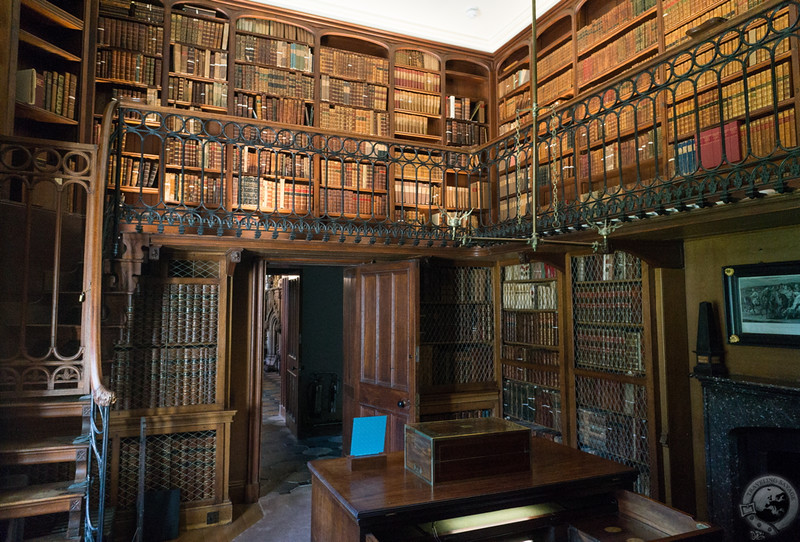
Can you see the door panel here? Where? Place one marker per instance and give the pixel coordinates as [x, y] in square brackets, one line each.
[380, 377]
[291, 334]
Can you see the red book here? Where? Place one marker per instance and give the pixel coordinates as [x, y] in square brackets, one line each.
[710, 145]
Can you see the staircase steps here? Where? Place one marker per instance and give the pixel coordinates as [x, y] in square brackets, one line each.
[43, 499]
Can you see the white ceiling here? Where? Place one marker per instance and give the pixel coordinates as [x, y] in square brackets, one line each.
[445, 21]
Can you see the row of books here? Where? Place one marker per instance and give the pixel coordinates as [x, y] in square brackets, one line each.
[164, 377]
[513, 182]
[531, 403]
[457, 285]
[464, 108]
[354, 175]
[610, 16]
[275, 29]
[173, 315]
[192, 190]
[339, 63]
[344, 118]
[421, 103]
[421, 167]
[555, 88]
[762, 133]
[465, 133]
[540, 377]
[618, 51]
[508, 109]
[613, 436]
[512, 207]
[264, 161]
[128, 66]
[141, 11]
[417, 59]
[268, 195]
[444, 365]
[181, 89]
[145, 38]
[281, 54]
[364, 205]
[416, 193]
[555, 59]
[138, 172]
[354, 93]
[528, 271]
[184, 461]
[676, 37]
[615, 155]
[411, 124]
[531, 328]
[608, 349]
[407, 78]
[459, 415]
[199, 62]
[683, 13]
[530, 296]
[48, 90]
[620, 304]
[265, 107]
[512, 82]
[529, 354]
[604, 267]
[612, 396]
[193, 153]
[201, 32]
[620, 120]
[258, 79]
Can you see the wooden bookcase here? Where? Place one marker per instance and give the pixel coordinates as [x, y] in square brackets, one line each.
[531, 351]
[513, 89]
[611, 362]
[51, 43]
[466, 99]
[417, 96]
[355, 188]
[168, 368]
[456, 374]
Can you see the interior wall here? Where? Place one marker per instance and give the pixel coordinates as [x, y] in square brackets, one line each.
[705, 259]
[321, 345]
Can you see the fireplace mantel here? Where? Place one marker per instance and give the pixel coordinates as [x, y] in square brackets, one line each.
[731, 406]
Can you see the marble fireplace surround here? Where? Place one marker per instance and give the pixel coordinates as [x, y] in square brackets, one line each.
[732, 406]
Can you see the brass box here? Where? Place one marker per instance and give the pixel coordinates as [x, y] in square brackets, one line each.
[450, 450]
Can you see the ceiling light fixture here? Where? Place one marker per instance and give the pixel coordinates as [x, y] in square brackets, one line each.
[472, 12]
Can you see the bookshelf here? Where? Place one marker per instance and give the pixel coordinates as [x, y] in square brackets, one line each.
[274, 71]
[754, 95]
[466, 99]
[531, 350]
[614, 36]
[167, 365]
[354, 86]
[271, 181]
[198, 58]
[51, 42]
[456, 370]
[611, 365]
[418, 181]
[355, 189]
[514, 90]
[682, 15]
[417, 95]
[554, 65]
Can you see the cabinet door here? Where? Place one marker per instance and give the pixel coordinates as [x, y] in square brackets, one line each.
[380, 322]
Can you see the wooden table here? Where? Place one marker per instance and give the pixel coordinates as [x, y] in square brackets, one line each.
[348, 504]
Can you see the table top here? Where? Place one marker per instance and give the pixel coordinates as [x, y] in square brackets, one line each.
[556, 470]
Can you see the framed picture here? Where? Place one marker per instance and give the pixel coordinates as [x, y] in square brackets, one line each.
[762, 304]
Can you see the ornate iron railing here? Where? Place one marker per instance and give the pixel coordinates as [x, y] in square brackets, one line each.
[710, 123]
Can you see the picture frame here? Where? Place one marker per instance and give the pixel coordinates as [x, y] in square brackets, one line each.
[762, 304]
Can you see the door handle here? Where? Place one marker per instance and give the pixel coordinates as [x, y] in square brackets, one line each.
[402, 403]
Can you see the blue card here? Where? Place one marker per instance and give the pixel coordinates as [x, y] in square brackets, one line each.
[369, 435]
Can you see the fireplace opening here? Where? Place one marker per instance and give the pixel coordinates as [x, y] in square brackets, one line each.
[766, 479]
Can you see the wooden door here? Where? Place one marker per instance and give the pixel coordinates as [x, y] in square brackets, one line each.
[381, 336]
[290, 364]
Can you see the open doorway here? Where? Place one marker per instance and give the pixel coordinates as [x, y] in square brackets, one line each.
[301, 373]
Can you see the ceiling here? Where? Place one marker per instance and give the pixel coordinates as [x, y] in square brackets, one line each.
[446, 21]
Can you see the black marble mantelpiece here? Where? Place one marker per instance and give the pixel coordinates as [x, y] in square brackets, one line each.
[731, 406]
